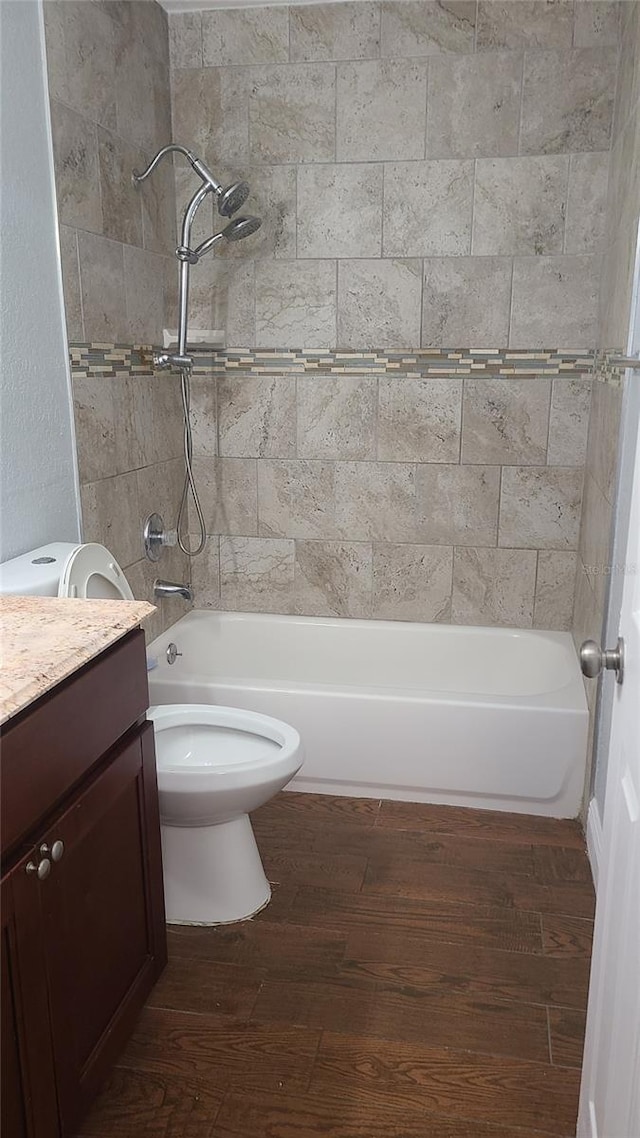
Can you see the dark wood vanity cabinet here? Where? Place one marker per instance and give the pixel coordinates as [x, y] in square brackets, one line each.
[83, 933]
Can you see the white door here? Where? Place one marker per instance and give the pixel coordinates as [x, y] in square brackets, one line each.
[610, 1093]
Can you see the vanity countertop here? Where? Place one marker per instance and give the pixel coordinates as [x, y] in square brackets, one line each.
[45, 639]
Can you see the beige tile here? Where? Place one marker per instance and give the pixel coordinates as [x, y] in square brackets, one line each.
[252, 35]
[292, 113]
[555, 586]
[257, 416]
[144, 295]
[141, 576]
[53, 13]
[519, 205]
[569, 422]
[335, 31]
[71, 283]
[473, 105]
[456, 309]
[381, 110]
[604, 437]
[75, 157]
[121, 201]
[102, 285]
[94, 416]
[143, 97]
[296, 304]
[167, 415]
[242, 305]
[540, 507]
[296, 498]
[379, 304]
[419, 419]
[160, 492]
[412, 582]
[257, 574]
[185, 39]
[586, 202]
[204, 416]
[587, 612]
[596, 23]
[554, 302]
[528, 24]
[628, 85]
[110, 516]
[339, 210]
[494, 587]
[423, 27]
[91, 44]
[336, 417]
[158, 200]
[596, 535]
[222, 297]
[228, 494]
[427, 208]
[458, 505]
[567, 102]
[210, 113]
[205, 575]
[375, 501]
[505, 420]
[333, 578]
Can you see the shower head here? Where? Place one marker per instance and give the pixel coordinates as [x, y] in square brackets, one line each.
[241, 227]
[232, 198]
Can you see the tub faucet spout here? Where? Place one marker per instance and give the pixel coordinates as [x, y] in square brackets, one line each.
[171, 589]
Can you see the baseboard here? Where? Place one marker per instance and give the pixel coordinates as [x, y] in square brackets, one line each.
[594, 840]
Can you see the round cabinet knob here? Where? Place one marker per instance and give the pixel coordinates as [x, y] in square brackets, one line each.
[56, 851]
[42, 869]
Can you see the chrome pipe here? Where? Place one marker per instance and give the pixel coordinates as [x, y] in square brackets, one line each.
[172, 589]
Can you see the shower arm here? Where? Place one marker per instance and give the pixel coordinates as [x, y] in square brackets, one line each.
[175, 148]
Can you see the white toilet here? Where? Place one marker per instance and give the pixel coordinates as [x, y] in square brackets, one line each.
[215, 764]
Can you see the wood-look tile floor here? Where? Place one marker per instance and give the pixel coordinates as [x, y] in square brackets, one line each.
[421, 972]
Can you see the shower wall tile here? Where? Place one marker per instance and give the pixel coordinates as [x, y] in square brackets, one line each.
[297, 499]
[257, 574]
[205, 573]
[333, 578]
[256, 416]
[427, 208]
[71, 283]
[519, 205]
[228, 495]
[91, 44]
[295, 303]
[494, 586]
[110, 515]
[144, 295]
[555, 299]
[586, 201]
[457, 505]
[102, 284]
[94, 414]
[204, 417]
[555, 583]
[529, 24]
[378, 301]
[375, 501]
[540, 507]
[425, 27]
[335, 31]
[473, 105]
[253, 35]
[506, 421]
[121, 201]
[157, 199]
[292, 114]
[455, 308]
[569, 422]
[273, 199]
[412, 582]
[596, 23]
[75, 156]
[185, 39]
[567, 102]
[381, 110]
[419, 419]
[210, 112]
[339, 210]
[336, 417]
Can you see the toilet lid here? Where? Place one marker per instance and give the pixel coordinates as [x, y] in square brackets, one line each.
[92, 572]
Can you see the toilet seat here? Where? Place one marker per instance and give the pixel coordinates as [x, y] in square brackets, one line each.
[92, 572]
[213, 741]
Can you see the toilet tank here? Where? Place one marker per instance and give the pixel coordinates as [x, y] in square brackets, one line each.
[36, 573]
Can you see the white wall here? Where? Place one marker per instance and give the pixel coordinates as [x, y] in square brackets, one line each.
[38, 479]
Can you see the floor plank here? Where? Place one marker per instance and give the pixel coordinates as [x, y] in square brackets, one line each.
[566, 1036]
[191, 985]
[465, 1085]
[567, 936]
[282, 949]
[322, 807]
[322, 870]
[145, 1104]
[494, 825]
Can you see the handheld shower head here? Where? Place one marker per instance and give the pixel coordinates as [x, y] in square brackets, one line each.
[241, 227]
[232, 198]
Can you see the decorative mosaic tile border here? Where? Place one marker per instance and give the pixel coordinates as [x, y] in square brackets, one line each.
[113, 360]
[606, 371]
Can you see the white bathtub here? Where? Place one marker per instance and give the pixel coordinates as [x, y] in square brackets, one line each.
[486, 717]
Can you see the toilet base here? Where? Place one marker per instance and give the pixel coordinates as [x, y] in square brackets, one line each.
[213, 875]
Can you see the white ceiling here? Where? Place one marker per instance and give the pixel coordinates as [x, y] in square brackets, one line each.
[205, 5]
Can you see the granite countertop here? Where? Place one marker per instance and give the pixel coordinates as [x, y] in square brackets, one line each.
[45, 639]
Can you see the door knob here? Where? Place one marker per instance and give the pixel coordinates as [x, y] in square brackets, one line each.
[593, 659]
[42, 869]
[56, 851]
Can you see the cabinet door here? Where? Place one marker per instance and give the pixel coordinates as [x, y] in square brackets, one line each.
[103, 920]
[29, 1106]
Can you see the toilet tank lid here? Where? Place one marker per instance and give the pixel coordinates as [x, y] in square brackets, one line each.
[37, 572]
